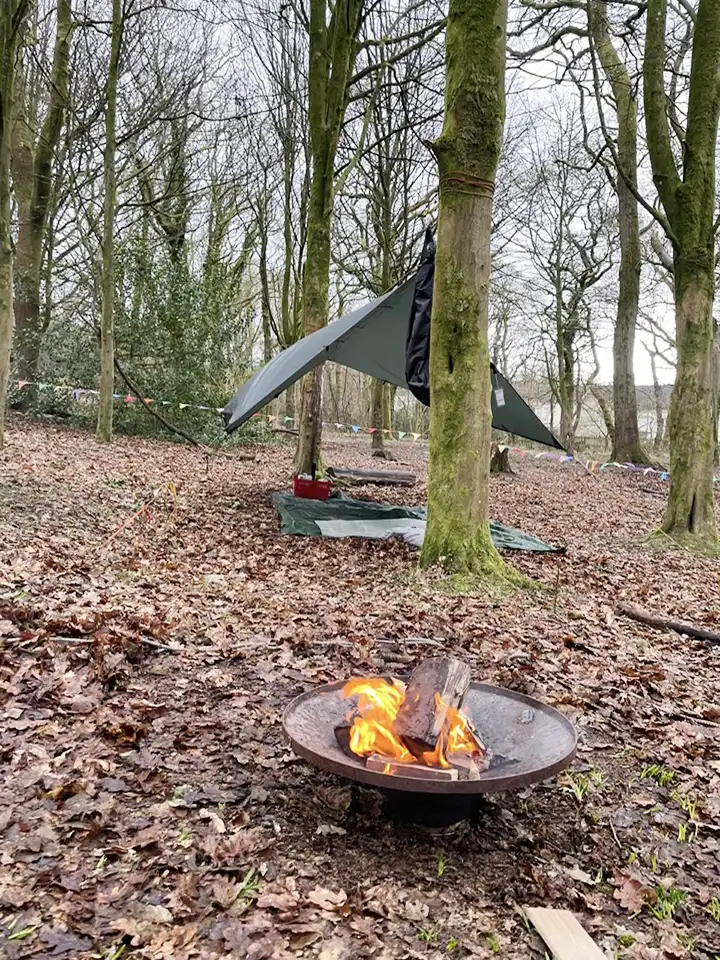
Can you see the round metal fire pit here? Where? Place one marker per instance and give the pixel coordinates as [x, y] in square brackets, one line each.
[529, 740]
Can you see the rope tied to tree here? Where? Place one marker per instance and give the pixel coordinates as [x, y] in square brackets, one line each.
[463, 183]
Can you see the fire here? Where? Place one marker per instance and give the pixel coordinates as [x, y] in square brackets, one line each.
[377, 704]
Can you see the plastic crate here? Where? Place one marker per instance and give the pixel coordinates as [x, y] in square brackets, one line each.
[311, 489]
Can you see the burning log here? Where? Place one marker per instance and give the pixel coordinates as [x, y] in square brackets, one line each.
[415, 731]
[415, 771]
[436, 685]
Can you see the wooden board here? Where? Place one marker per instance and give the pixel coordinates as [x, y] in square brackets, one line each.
[563, 934]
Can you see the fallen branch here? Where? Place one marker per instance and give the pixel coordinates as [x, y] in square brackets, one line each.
[158, 416]
[660, 623]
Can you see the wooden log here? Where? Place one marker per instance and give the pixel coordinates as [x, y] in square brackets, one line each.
[416, 771]
[420, 719]
[661, 623]
[382, 478]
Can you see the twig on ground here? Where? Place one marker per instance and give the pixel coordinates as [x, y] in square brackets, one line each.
[661, 623]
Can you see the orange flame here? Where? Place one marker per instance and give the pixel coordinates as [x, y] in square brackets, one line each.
[378, 702]
[373, 718]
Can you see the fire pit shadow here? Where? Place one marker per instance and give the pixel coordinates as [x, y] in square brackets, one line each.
[530, 741]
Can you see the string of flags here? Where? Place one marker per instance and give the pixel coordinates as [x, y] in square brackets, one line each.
[78, 392]
[592, 466]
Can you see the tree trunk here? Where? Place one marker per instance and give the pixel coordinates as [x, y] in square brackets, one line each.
[12, 18]
[606, 413]
[626, 438]
[566, 397]
[377, 418]
[315, 308]
[389, 409]
[332, 51]
[458, 534]
[290, 401]
[107, 273]
[32, 179]
[691, 505]
[688, 202]
[659, 418]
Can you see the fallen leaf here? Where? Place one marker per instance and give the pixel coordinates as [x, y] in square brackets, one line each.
[327, 899]
[631, 894]
[329, 830]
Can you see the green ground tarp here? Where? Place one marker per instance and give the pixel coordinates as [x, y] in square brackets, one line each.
[341, 516]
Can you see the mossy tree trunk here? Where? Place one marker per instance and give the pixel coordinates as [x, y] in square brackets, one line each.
[107, 270]
[32, 161]
[689, 202]
[12, 19]
[458, 535]
[626, 438]
[332, 52]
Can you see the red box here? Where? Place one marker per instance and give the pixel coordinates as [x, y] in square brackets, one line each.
[312, 489]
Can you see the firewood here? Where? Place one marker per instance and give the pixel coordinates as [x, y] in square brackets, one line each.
[342, 736]
[466, 766]
[420, 719]
[415, 771]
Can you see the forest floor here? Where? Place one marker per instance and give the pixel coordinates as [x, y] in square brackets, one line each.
[149, 807]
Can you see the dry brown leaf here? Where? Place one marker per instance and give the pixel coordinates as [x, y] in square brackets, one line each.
[327, 899]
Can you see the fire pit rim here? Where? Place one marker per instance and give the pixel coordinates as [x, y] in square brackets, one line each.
[491, 781]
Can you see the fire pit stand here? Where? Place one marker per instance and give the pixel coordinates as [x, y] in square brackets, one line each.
[529, 741]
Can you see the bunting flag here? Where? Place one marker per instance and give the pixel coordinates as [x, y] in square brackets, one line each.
[77, 394]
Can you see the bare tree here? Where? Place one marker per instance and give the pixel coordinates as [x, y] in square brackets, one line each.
[12, 17]
[33, 159]
[570, 236]
[107, 270]
[687, 192]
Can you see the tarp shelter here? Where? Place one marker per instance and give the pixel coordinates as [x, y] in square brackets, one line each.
[371, 339]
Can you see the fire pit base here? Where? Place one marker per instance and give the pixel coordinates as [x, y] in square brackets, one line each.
[529, 741]
[429, 809]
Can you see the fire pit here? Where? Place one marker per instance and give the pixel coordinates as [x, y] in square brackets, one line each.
[524, 741]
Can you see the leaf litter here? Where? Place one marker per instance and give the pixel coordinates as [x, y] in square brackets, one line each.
[150, 808]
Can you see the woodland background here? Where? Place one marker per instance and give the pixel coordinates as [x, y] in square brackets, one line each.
[213, 180]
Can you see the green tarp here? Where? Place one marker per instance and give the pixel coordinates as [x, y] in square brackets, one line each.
[341, 516]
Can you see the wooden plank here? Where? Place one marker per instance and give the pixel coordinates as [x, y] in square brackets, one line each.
[420, 720]
[383, 478]
[562, 932]
[415, 771]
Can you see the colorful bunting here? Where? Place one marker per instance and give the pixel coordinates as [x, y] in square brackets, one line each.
[591, 465]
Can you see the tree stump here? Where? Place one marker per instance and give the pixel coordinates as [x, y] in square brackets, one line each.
[500, 460]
